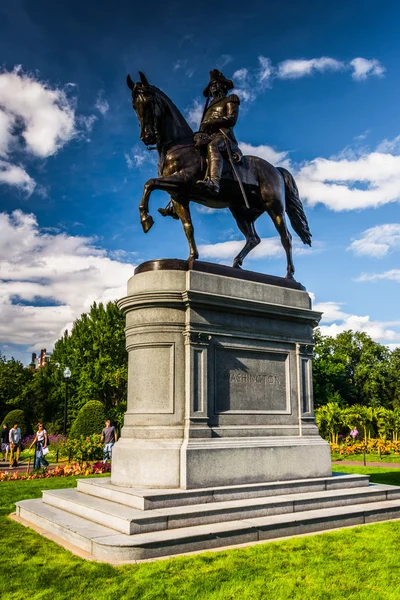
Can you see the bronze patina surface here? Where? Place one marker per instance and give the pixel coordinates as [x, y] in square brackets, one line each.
[194, 167]
[176, 264]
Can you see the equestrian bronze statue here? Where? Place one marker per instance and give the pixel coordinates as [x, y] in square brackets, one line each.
[207, 167]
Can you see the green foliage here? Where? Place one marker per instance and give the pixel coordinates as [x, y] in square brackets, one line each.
[90, 419]
[333, 419]
[14, 378]
[85, 448]
[95, 352]
[353, 369]
[17, 416]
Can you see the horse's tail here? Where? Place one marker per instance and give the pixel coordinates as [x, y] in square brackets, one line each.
[294, 207]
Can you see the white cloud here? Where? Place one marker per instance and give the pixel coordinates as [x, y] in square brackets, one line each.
[392, 275]
[265, 72]
[129, 161]
[393, 346]
[363, 68]
[87, 121]
[332, 311]
[139, 158]
[66, 270]
[377, 241]
[47, 115]
[276, 158]
[251, 82]
[389, 146]
[17, 176]
[223, 60]
[381, 331]
[180, 64]
[296, 68]
[240, 75]
[194, 113]
[101, 103]
[7, 123]
[268, 248]
[333, 182]
[34, 118]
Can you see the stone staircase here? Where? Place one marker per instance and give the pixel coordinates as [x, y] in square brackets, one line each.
[124, 524]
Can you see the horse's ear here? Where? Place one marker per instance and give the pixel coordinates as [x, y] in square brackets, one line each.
[131, 84]
[143, 79]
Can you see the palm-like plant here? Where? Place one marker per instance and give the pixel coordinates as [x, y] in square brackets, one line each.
[330, 420]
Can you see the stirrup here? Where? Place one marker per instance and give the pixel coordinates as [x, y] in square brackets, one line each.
[168, 211]
[209, 184]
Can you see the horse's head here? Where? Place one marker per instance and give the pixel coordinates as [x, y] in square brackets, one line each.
[147, 109]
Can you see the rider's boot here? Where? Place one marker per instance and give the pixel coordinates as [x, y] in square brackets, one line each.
[215, 165]
[168, 211]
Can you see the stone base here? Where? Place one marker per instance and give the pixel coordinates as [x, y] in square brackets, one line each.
[124, 524]
[219, 379]
[199, 463]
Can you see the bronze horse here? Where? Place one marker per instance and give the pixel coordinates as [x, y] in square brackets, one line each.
[181, 165]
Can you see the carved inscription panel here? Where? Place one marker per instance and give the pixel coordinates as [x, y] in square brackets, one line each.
[151, 379]
[251, 381]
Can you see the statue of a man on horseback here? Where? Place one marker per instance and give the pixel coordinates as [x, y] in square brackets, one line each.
[216, 127]
[255, 187]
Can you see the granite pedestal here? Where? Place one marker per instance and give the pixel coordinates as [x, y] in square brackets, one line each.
[220, 380]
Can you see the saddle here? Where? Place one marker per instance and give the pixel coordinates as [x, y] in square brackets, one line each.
[246, 174]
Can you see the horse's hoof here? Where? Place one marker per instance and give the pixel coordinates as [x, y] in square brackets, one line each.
[147, 223]
[193, 257]
[289, 276]
[236, 265]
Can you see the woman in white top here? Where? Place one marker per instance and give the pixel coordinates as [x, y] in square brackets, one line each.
[41, 441]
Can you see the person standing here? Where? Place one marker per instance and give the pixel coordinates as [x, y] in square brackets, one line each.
[15, 445]
[109, 437]
[5, 441]
[41, 442]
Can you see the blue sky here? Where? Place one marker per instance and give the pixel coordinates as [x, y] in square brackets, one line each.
[319, 86]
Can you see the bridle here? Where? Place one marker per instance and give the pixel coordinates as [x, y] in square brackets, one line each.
[156, 113]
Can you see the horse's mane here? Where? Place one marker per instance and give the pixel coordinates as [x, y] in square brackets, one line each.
[179, 119]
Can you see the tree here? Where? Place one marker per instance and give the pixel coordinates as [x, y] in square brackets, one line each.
[330, 421]
[13, 379]
[95, 352]
[353, 368]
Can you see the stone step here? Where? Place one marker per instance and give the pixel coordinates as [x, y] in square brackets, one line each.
[104, 543]
[148, 499]
[133, 521]
[71, 528]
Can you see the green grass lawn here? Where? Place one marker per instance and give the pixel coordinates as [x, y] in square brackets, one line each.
[387, 458]
[361, 563]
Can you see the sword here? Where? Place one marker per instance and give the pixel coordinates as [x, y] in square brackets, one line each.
[205, 108]
[228, 149]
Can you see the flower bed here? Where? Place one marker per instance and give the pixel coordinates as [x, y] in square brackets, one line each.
[60, 471]
[374, 446]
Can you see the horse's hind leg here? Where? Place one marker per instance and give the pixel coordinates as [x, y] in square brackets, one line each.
[246, 226]
[279, 221]
[182, 210]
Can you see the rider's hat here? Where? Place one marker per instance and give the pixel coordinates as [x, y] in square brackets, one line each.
[216, 75]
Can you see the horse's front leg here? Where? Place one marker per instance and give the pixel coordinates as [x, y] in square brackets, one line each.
[183, 212]
[167, 184]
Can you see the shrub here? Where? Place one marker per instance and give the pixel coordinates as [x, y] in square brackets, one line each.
[18, 416]
[89, 420]
[85, 448]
